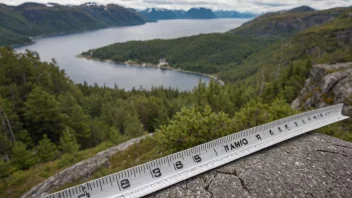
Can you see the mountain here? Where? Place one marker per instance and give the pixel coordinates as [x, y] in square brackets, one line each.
[287, 63]
[161, 14]
[193, 13]
[319, 37]
[233, 14]
[34, 19]
[112, 15]
[301, 9]
[200, 13]
[287, 23]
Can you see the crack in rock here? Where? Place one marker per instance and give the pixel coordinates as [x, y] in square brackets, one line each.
[333, 152]
[206, 187]
[342, 146]
[244, 185]
[307, 166]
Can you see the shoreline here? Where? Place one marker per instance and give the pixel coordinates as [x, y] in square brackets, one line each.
[135, 64]
[48, 35]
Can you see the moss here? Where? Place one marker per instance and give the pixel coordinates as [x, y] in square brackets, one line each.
[328, 98]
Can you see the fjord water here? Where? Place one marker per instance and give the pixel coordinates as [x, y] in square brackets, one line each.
[65, 48]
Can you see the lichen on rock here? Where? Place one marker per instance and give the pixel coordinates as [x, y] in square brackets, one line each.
[327, 85]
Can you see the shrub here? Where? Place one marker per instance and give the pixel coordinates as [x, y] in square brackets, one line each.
[190, 128]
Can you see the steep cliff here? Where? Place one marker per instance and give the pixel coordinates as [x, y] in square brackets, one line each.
[312, 165]
[327, 85]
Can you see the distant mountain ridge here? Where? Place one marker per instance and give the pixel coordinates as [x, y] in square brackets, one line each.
[193, 13]
[233, 14]
[286, 23]
[19, 23]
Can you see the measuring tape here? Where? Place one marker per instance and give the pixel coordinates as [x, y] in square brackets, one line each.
[150, 177]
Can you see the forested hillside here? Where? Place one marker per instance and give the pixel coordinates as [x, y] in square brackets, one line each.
[45, 117]
[49, 123]
[19, 23]
[210, 53]
[327, 43]
[234, 57]
[287, 23]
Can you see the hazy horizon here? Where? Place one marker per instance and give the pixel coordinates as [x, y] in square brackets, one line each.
[254, 6]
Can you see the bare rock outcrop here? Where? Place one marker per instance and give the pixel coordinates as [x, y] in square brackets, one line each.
[327, 85]
[80, 170]
[311, 165]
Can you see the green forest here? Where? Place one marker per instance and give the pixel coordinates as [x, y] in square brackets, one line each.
[209, 53]
[19, 24]
[234, 57]
[49, 123]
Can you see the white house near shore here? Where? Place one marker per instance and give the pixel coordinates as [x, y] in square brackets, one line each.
[162, 62]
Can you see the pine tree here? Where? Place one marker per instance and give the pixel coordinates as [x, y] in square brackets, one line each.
[115, 135]
[21, 158]
[46, 150]
[42, 114]
[68, 142]
[133, 127]
[5, 144]
[4, 168]
[79, 122]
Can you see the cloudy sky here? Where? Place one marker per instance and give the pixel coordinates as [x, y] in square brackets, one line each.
[257, 6]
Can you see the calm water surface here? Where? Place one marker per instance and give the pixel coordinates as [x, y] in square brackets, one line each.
[65, 49]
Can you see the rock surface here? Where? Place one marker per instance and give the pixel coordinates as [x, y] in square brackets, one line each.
[311, 165]
[80, 170]
[327, 85]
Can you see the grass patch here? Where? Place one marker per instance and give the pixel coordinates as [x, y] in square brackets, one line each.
[20, 182]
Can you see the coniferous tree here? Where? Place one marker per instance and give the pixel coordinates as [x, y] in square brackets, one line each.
[21, 158]
[68, 142]
[4, 168]
[5, 145]
[133, 127]
[79, 122]
[42, 114]
[46, 150]
[115, 135]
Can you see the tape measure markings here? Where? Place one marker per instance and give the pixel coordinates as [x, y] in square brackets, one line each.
[152, 176]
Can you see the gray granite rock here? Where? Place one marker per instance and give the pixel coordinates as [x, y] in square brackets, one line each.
[312, 165]
[327, 85]
[80, 170]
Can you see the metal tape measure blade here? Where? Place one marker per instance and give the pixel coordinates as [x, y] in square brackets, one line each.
[150, 177]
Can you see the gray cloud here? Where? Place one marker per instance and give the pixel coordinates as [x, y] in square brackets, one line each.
[257, 6]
